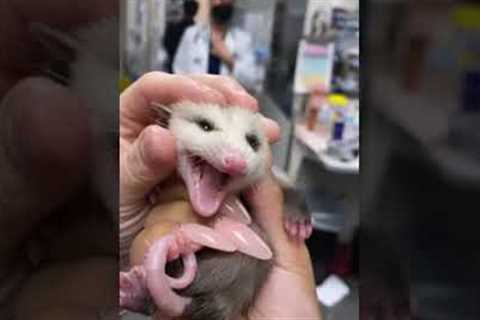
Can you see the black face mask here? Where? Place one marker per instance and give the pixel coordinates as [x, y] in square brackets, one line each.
[222, 14]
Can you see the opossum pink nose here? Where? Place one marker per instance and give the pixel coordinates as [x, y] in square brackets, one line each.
[234, 164]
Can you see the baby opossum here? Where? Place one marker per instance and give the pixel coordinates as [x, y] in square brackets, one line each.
[221, 151]
[233, 152]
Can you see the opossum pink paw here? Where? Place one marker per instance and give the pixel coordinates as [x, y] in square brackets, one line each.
[299, 229]
[133, 292]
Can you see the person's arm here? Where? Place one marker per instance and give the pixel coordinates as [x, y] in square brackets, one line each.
[241, 62]
[220, 49]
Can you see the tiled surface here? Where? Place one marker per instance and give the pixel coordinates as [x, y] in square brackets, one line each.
[347, 309]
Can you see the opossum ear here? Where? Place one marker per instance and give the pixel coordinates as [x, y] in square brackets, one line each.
[163, 114]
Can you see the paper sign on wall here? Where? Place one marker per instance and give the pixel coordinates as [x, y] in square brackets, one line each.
[314, 66]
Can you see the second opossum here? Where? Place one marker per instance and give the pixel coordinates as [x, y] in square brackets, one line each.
[220, 152]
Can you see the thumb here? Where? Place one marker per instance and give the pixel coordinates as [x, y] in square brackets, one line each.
[44, 139]
[149, 160]
[265, 199]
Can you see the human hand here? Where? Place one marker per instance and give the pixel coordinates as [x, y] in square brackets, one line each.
[289, 292]
[44, 156]
[43, 130]
[148, 151]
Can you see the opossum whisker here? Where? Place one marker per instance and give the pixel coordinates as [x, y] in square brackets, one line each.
[160, 107]
[161, 123]
[163, 112]
[56, 76]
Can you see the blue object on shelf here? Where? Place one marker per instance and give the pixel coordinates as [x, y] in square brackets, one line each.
[338, 128]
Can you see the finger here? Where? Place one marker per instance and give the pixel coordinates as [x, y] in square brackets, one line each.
[265, 200]
[156, 87]
[272, 129]
[234, 93]
[145, 163]
[44, 141]
[266, 203]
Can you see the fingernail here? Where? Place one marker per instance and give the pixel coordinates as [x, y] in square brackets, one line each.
[207, 237]
[244, 238]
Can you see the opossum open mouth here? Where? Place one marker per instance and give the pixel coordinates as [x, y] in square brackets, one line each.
[206, 186]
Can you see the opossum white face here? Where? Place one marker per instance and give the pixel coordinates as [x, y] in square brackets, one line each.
[220, 151]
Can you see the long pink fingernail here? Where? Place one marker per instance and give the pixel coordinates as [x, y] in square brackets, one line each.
[207, 237]
[245, 239]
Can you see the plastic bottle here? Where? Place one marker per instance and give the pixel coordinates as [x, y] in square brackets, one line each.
[339, 104]
[315, 104]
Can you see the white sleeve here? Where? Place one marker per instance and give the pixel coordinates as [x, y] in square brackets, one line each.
[244, 67]
[181, 61]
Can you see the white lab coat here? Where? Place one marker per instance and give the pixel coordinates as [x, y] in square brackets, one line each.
[193, 53]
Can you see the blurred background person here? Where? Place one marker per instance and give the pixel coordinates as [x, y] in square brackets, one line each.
[217, 48]
[174, 31]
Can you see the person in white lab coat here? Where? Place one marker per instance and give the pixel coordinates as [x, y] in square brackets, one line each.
[218, 48]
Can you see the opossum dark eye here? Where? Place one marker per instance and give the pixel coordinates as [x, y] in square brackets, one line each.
[253, 141]
[205, 124]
